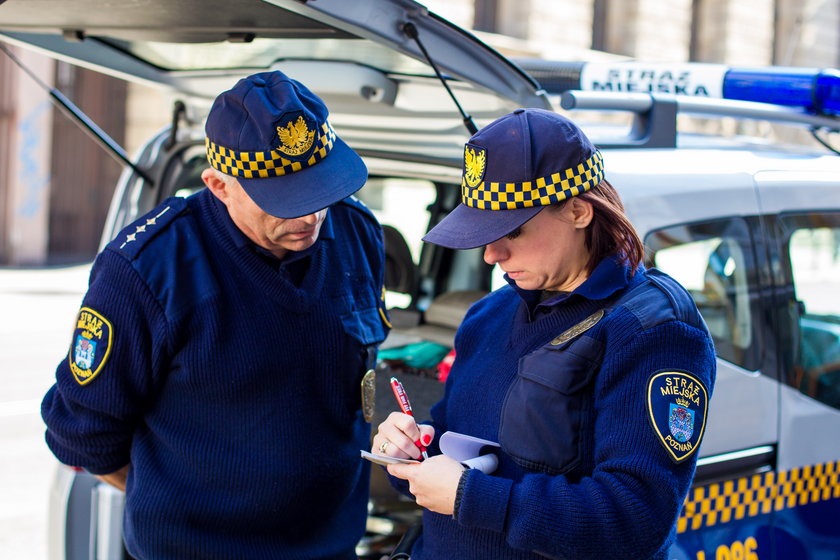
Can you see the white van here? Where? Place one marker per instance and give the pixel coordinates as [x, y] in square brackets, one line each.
[750, 227]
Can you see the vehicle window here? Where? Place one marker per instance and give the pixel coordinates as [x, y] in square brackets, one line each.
[813, 252]
[714, 262]
[401, 203]
[185, 172]
[263, 52]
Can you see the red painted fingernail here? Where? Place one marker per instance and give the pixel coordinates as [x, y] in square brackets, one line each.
[427, 439]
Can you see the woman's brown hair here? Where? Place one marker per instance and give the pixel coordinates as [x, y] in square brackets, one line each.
[610, 232]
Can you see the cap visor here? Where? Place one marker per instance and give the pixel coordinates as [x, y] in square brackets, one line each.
[304, 192]
[467, 228]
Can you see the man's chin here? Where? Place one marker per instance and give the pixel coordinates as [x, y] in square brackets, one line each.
[298, 245]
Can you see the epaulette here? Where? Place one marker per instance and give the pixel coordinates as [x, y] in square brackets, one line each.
[684, 307]
[660, 299]
[357, 204]
[134, 237]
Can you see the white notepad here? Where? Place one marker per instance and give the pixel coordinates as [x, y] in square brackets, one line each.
[384, 459]
[461, 447]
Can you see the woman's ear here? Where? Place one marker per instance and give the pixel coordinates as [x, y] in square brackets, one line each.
[582, 212]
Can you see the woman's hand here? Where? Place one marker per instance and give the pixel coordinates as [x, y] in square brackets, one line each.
[399, 435]
[434, 482]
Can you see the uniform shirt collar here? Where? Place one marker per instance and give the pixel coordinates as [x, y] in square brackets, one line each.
[609, 276]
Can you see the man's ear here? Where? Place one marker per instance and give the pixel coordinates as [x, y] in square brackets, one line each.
[215, 184]
[582, 212]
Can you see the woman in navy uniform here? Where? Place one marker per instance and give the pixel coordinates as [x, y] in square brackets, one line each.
[591, 372]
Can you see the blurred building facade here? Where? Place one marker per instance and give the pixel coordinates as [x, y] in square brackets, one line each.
[55, 183]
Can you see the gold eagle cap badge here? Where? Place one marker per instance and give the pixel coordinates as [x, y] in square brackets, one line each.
[475, 162]
[295, 137]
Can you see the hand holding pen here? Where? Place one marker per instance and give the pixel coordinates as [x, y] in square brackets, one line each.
[434, 481]
[405, 406]
[399, 435]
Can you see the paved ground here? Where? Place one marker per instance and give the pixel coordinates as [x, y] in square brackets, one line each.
[37, 308]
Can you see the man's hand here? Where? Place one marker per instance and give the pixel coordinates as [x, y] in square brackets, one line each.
[116, 479]
[434, 482]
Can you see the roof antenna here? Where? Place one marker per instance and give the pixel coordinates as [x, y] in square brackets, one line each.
[411, 31]
[77, 115]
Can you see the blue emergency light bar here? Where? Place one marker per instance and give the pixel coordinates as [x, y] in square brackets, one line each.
[814, 90]
[810, 88]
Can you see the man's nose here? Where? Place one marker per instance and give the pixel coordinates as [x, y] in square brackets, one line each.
[310, 219]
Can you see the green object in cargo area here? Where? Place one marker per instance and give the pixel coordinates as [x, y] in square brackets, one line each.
[417, 355]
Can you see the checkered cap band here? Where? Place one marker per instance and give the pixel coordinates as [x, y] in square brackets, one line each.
[541, 192]
[261, 165]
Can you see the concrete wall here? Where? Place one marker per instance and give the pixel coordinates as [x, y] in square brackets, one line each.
[808, 33]
[26, 177]
[737, 32]
[148, 110]
[548, 23]
[459, 12]
[650, 30]
[8, 81]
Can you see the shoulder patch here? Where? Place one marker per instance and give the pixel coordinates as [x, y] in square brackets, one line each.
[131, 240]
[677, 403]
[91, 345]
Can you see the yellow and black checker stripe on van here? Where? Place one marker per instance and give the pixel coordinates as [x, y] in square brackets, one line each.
[759, 494]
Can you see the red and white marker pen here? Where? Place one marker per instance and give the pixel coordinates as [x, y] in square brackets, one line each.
[405, 406]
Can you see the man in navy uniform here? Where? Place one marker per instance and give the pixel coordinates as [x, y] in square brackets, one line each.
[221, 331]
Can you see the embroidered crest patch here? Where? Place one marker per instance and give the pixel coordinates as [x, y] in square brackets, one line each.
[677, 402]
[475, 162]
[91, 345]
[295, 135]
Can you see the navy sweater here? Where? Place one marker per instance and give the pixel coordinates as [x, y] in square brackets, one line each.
[582, 473]
[232, 392]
